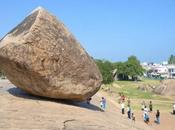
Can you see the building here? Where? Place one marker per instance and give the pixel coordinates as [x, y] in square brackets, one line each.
[171, 71]
[163, 70]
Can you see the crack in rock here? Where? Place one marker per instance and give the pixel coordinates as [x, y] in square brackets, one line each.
[65, 122]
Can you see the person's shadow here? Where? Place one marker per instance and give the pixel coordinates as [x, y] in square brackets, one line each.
[22, 94]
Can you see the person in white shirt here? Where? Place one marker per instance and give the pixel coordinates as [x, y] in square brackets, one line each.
[123, 107]
[145, 115]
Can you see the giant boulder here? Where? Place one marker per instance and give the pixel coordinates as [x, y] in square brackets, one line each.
[43, 58]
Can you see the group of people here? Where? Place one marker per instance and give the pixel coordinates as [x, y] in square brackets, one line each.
[146, 110]
[102, 103]
[130, 114]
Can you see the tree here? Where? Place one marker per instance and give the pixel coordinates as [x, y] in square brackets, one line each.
[171, 59]
[134, 68]
[122, 72]
[106, 68]
[130, 68]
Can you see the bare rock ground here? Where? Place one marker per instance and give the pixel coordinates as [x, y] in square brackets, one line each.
[167, 88]
[20, 111]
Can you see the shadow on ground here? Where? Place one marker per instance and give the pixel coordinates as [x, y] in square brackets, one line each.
[22, 94]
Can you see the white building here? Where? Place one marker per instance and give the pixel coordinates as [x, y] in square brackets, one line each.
[171, 70]
[163, 70]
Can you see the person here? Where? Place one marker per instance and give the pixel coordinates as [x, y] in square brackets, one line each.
[89, 100]
[123, 107]
[150, 106]
[123, 98]
[133, 117]
[158, 117]
[143, 105]
[174, 109]
[145, 115]
[129, 111]
[103, 103]
[129, 101]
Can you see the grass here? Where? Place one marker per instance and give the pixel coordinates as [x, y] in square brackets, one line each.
[161, 105]
[130, 89]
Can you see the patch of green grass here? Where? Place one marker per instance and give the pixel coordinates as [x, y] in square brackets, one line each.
[161, 105]
[130, 89]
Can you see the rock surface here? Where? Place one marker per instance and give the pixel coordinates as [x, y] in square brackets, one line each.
[167, 88]
[43, 58]
[21, 111]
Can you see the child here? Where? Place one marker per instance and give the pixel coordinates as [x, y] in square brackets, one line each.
[150, 106]
[133, 117]
[158, 117]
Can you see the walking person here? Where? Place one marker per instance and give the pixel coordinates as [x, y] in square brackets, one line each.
[174, 109]
[150, 106]
[123, 107]
[158, 117]
[103, 104]
[129, 112]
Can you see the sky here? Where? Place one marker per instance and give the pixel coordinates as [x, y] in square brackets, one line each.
[107, 29]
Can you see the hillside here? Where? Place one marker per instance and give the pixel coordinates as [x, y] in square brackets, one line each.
[20, 111]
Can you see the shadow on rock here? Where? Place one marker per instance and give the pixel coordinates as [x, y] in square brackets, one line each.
[22, 94]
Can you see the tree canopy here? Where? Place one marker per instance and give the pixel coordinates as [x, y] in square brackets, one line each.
[124, 70]
[171, 59]
[106, 69]
[130, 68]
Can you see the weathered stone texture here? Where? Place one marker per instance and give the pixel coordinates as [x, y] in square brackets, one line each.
[43, 58]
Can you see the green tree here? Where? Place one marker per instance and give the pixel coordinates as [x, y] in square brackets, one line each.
[122, 71]
[130, 68]
[134, 68]
[106, 68]
[171, 59]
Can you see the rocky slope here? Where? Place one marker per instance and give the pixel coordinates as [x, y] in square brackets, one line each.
[20, 111]
[167, 88]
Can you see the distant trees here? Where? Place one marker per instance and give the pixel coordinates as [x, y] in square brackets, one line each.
[131, 69]
[171, 59]
[106, 69]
